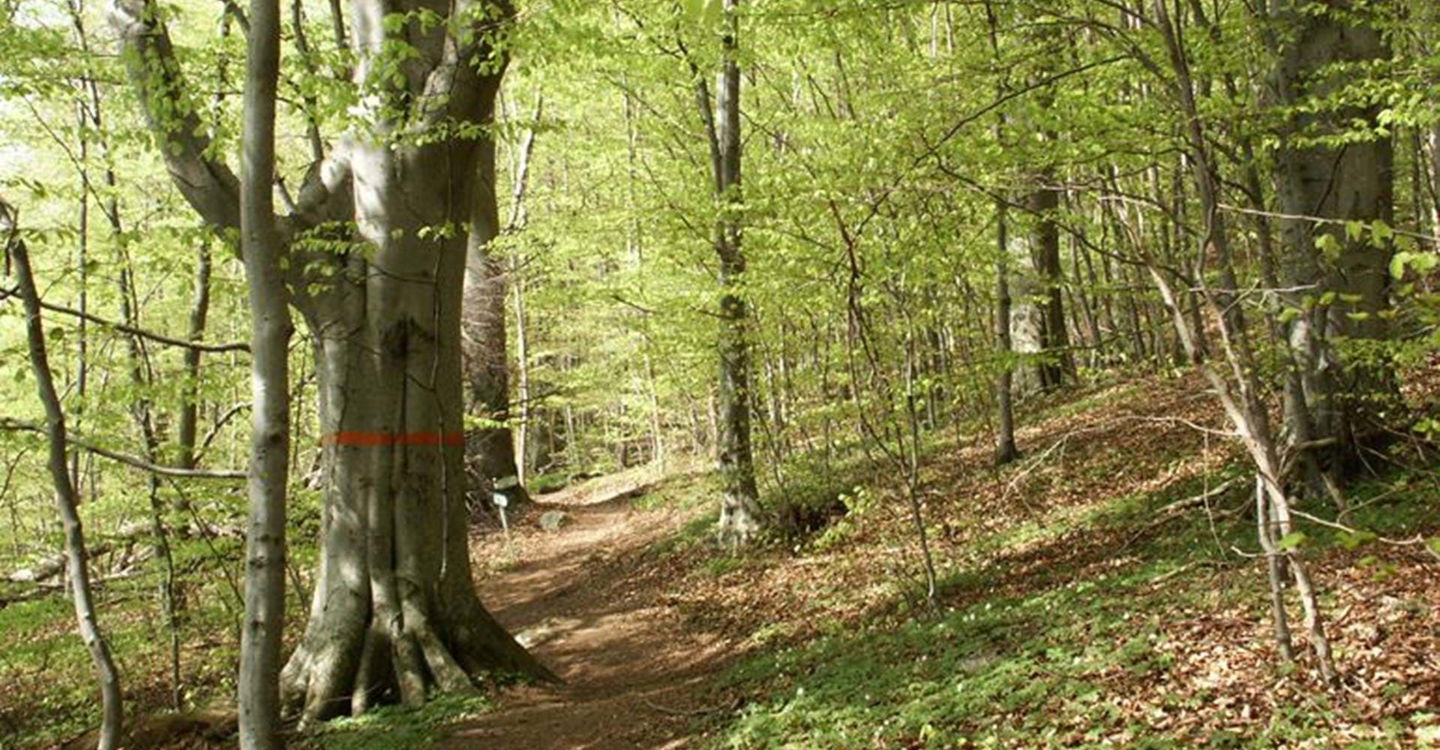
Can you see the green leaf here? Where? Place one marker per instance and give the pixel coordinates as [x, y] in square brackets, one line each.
[1381, 232]
[1352, 540]
[1397, 264]
[1292, 540]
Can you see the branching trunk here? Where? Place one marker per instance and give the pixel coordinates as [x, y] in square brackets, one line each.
[394, 611]
[1240, 390]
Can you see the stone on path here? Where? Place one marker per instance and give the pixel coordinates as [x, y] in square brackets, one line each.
[552, 520]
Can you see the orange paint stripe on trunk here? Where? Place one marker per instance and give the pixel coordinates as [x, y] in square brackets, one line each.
[386, 438]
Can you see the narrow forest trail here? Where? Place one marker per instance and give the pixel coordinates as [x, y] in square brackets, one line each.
[634, 672]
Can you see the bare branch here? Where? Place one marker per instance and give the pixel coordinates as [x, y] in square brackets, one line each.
[15, 425]
[161, 338]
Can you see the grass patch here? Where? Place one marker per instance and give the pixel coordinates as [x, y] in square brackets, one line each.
[396, 726]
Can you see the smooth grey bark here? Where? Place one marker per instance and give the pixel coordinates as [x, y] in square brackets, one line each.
[491, 446]
[67, 500]
[82, 260]
[1340, 300]
[524, 435]
[1026, 319]
[394, 611]
[1056, 361]
[1432, 141]
[270, 330]
[740, 503]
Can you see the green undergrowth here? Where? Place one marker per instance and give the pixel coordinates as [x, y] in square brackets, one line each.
[684, 491]
[43, 660]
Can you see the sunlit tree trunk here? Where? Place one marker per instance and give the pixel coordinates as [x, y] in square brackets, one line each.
[270, 329]
[1005, 450]
[491, 445]
[740, 505]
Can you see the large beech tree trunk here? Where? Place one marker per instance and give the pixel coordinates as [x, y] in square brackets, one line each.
[395, 606]
[394, 612]
[1340, 297]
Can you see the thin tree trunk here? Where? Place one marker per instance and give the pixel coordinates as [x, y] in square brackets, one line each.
[82, 260]
[260, 635]
[522, 356]
[740, 504]
[1056, 360]
[187, 429]
[1240, 392]
[66, 498]
[1005, 450]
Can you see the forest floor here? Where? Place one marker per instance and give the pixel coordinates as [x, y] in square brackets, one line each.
[1103, 591]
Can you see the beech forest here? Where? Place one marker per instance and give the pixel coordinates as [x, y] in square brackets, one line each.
[534, 374]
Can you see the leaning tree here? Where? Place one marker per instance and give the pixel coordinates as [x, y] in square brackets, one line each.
[374, 255]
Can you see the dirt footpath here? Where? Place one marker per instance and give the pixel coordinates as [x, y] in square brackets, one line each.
[587, 601]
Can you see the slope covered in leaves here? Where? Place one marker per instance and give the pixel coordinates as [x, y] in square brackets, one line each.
[1105, 590]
